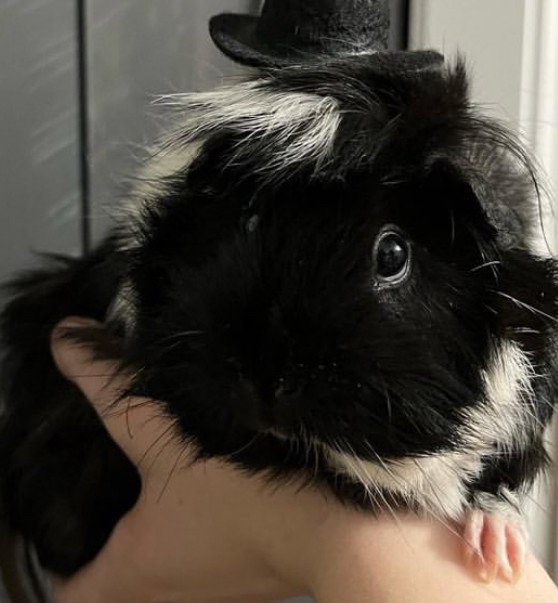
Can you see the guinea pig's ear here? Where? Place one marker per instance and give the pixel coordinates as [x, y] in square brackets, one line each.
[501, 188]
[449, 199]
[448, 182]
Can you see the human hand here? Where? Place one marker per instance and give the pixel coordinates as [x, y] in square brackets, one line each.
[179, 542]
[127, 568]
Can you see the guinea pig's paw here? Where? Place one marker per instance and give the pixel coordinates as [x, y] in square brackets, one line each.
[495, 543]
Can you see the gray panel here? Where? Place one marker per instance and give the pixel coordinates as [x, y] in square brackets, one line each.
[39, 177]
[139, 49]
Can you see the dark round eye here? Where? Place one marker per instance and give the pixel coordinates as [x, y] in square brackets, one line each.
[392, 255]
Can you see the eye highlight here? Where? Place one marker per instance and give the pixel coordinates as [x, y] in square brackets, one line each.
[392, 255]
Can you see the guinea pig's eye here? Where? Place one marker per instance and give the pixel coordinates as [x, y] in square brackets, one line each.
[392, 255]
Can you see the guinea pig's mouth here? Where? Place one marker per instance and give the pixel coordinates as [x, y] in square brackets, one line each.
[272, 409]
[297, 402]
[284, 404]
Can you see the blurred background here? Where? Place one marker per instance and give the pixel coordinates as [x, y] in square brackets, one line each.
[78, 79]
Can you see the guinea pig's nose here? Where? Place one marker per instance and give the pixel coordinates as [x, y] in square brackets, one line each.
[288, 391]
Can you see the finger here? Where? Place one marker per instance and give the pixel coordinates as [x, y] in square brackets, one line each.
[136, 424]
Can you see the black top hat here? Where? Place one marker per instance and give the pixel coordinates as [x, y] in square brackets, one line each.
[290, 31]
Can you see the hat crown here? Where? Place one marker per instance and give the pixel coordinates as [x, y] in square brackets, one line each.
[290, 32]
[328, 26]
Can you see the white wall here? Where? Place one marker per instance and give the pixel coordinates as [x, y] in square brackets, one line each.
[489, 33]
[511, 48]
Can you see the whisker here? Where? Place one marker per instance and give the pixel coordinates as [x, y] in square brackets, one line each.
[526, 306]
[155, 442]
[485, 265]
[247, 445]
[171, 472]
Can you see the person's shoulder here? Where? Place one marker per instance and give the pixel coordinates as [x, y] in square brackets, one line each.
[396, 558]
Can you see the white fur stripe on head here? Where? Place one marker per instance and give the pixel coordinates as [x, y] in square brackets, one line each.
[293, 127]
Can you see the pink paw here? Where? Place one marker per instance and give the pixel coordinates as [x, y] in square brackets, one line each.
[494, 544]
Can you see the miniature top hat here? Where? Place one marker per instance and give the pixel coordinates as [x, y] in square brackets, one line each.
[292, 31]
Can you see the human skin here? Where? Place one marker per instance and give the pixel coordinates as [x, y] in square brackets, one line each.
[206, 532]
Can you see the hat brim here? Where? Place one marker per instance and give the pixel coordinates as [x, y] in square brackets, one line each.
[235, 36]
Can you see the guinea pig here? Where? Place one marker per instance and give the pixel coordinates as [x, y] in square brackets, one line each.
[328, 272]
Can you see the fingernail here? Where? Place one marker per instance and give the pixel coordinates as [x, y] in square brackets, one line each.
[518, 558]
[72, 322]
[491, 574]
[62, 348]
[507, 571]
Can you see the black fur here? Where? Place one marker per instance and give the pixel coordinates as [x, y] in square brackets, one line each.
[53, 448]
[258, 309]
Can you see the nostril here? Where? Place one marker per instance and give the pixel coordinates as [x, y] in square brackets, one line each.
[288, 390]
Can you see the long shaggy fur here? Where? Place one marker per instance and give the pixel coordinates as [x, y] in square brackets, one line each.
[245, 291]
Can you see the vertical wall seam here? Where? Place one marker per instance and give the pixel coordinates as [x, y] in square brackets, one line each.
[83, 125]
[405, 25]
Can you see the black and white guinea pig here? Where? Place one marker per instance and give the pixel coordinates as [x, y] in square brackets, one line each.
[327, 272]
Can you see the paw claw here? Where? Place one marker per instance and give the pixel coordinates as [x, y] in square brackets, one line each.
[517, 551]
[494, 546]
[473, 530]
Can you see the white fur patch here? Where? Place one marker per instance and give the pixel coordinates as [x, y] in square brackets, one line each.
[506, 504]
[151, 184]
[123, 309]
[506, 418]
[295, 127]
[435, 483]
[165, 161]
[438, 483]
